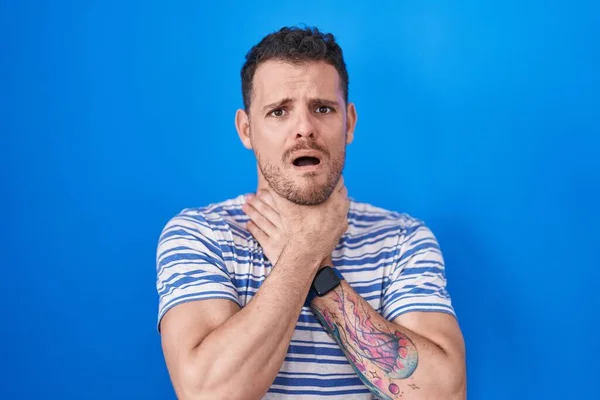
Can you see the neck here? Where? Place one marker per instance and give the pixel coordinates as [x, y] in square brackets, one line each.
[262, 182]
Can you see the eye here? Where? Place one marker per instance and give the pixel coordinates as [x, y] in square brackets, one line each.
[324, 109]
[278, 112]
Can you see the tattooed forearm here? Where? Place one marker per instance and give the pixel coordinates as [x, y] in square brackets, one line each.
[379, 354]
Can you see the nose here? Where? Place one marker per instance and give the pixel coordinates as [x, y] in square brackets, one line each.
[305, 127]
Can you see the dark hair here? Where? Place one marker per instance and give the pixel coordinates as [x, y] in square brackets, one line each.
[294, 45]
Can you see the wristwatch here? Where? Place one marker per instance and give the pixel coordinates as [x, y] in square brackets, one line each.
[327, 279]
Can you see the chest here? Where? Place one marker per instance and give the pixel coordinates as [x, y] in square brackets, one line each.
[365, 266]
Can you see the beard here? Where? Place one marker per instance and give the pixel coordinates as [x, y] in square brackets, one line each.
[310, 192]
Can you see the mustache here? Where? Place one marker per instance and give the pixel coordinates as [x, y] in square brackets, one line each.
[304, 146]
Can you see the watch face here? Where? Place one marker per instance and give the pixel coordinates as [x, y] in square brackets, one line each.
[325, 281]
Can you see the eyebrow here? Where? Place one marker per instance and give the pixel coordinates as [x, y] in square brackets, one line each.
[325, 102]
[287, 100]
[278, 103]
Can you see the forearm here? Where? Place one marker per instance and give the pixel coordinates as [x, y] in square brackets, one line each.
[391, 360]
[241, 358]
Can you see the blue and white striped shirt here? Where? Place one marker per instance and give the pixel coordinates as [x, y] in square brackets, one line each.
[392, 260]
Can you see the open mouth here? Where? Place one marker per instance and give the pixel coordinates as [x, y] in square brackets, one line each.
[305, 161]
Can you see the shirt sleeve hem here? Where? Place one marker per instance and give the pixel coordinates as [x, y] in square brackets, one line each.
[421, 307]
[199, 297]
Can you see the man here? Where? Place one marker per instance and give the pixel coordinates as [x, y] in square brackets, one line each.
[297, 291]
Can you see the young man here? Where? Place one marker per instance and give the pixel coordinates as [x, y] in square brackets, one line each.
[297, 291]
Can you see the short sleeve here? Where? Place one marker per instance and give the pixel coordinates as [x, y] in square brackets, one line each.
[189, 264]
[418, 280]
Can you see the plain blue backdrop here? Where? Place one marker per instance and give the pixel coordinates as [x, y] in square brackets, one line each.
[483, 120]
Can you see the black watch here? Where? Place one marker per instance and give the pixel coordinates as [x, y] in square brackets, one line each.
[327, 279]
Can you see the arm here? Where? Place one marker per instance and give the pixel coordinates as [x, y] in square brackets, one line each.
[420, 355]
[214, 350]
[391, 359]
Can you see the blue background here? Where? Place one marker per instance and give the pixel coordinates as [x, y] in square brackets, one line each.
[481, 120]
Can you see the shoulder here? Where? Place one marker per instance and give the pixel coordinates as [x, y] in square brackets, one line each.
[209, 219]
[370, 224]
[373, 230]
[365, 216]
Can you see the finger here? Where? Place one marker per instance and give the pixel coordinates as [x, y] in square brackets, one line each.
[258, 233]
[266, 206]
[341, 184]
[267, 197]
[270, 208]
[276, 201]
[259, 219]
[341, 191]
[338, 192]
[345, 208]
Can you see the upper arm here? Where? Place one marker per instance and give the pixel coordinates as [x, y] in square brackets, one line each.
[417, 283]
[190, 264]
[196, 292]
[416, 297]
[183, 328]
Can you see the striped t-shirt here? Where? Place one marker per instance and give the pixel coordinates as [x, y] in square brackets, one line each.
[392, 260]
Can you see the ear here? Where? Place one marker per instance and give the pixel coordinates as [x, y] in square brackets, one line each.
[242, 125]
[351, 118]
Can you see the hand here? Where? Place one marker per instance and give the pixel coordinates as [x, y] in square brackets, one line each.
[327, 262]
[314, 231]
[265, 224]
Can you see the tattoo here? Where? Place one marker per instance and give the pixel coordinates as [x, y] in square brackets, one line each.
[413, 386]
[369, 344]
[327, 320]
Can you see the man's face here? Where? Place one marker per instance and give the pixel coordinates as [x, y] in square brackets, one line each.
[298, 127]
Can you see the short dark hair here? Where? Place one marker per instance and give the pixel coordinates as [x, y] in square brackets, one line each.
[295, 45]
